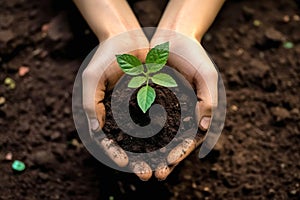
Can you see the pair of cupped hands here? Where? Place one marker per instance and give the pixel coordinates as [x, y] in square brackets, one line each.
[187, 56]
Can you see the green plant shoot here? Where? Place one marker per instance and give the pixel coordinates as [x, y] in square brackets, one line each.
[144, 73]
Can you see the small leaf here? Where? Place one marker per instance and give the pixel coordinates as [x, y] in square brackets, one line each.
[130, 64]
[145, 97]
[137, 81]
[157, 57]
[164, 80]
[152, 68]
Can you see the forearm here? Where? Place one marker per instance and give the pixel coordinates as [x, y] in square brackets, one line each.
[190, 17]
[107, 17]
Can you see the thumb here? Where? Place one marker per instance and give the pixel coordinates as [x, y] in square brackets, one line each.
[92, 99]
[93, 95]
[206, 88]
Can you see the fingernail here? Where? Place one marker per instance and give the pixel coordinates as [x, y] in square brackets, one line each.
[142, 170]
[205, 121]
[94, 124]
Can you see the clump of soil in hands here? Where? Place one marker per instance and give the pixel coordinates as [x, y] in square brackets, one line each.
[171, 130]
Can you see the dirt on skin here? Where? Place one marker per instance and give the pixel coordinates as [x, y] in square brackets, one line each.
[257, 157]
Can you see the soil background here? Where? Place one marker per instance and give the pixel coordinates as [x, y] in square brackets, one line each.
[257, 157]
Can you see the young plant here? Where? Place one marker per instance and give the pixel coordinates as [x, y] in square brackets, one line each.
[143, 73]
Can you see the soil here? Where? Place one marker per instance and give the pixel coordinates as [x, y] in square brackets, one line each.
[158, 134]
[143, 145]
[257, 156]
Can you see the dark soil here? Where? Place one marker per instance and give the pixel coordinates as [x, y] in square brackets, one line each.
[257, 156]
[143, 145]
[158, 134]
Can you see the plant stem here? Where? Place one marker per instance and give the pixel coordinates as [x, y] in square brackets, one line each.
[147, 77]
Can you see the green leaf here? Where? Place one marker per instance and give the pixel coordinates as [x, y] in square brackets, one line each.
[145, 97]
[130, 64]
[137, 81]
[157, 57]
[164, 80]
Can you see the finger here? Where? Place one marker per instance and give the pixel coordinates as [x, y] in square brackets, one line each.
[90, 79]
[163, 170]
[141, 169]
[101, 74]
[182, 150]
[191, 60]
[206, 89]
[114, 152]
[100, 113]
[110, 147]
[88, 100]
[99, 105]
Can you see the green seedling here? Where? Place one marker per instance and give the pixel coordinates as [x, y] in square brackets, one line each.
[144, 73]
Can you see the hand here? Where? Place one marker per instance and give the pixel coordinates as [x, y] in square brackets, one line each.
[107, 19]
[189, 58]
[101, 74]
[191, 17]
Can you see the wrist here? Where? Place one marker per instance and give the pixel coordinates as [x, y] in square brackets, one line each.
[191, 31]
[191, 18]
[107, 18]
[109, 31]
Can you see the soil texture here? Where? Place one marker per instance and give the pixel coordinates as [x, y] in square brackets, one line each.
[255, 44]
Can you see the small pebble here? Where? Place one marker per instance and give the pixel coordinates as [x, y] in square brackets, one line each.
[240, 52]
[293, 192]
[248, 125]
[271, 191]
[111, 198]
[296, 18]
[187, 177]
[256, 22]
[37, 52]
[132, 187]
[45, 28]
[234, 108]
[226, 55]
[18, 166]
[75, 143]
[10, 83]
[274, 35]
[23, 70]
[288, 45]
[261, 55]
[9, 156]
[194, 185]
[206, 189]
[286, 18]
[56, 135]
[2, 101]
